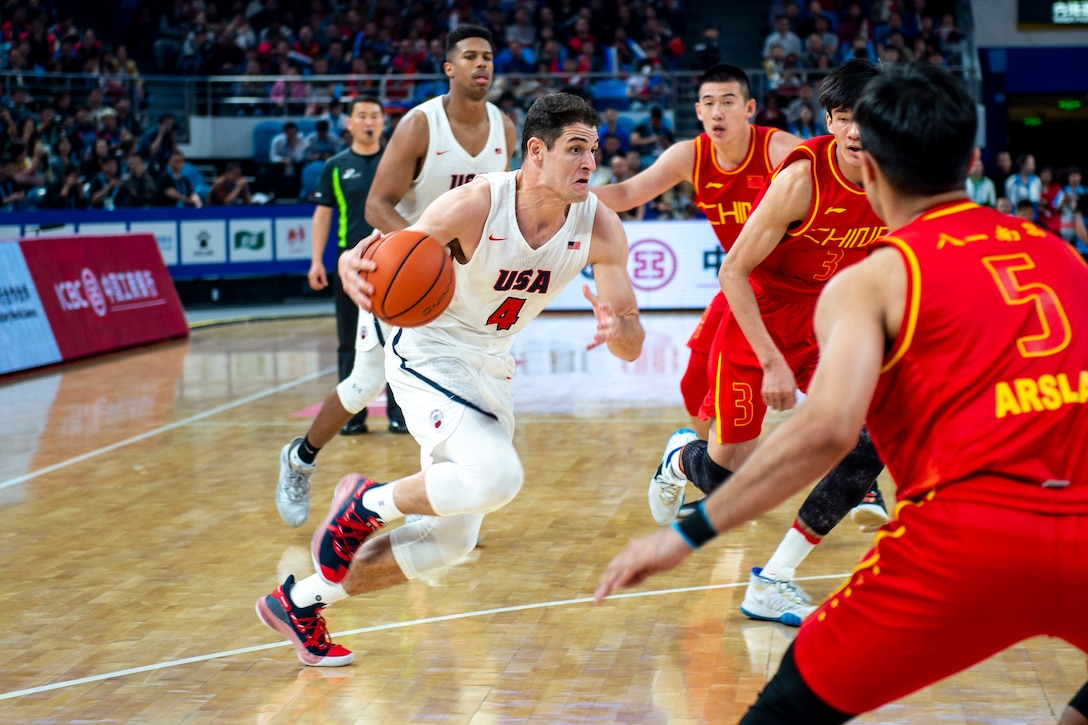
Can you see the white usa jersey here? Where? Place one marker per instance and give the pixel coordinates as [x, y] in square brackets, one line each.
[505, 284]
[447, 164]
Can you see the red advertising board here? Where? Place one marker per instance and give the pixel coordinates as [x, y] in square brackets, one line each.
[103, 293]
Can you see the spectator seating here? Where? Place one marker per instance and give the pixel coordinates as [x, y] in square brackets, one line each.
[610, 93]
[265, 131]
[311, 177]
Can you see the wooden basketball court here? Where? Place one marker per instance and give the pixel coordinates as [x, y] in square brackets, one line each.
[138, 527]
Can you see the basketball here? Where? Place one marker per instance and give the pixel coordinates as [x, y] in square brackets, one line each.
[413, 283]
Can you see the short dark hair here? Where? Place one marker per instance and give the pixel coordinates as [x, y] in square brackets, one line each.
[725, 73]
[290, 126]
[550, 114]
[842, 87]
[918, 123]
[364, 98]
[1025, 204]
[461, 32]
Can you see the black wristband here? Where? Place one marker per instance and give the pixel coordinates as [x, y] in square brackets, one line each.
[696, 528]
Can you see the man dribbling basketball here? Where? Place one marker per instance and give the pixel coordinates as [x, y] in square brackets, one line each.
[447, 139]
[453, 376]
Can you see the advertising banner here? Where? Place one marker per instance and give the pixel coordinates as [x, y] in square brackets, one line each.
[250, 240]
[293, 238]
[26, 340]
[165, 233]
[104, 293]
[203, 241]
[673, 265]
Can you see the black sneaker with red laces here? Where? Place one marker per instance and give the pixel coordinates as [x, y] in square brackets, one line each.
[304, 627]
[348, 525]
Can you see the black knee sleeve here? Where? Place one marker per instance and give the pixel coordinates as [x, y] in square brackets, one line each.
[1080, 700]
[787, 700]
[701, 469]
[843, 488]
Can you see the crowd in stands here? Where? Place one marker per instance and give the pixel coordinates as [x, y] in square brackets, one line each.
[88, 144]
[808, 40]
[1053, 198]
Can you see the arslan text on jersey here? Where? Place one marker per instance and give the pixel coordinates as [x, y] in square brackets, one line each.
[1047, 392]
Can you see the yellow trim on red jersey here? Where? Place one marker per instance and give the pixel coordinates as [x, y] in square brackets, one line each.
[814, 208]
[949, 210]
[871, 564]
[718, 400]
[767, 147]
[833, 162]
[913, 302]
[747, 157]
[697, 162]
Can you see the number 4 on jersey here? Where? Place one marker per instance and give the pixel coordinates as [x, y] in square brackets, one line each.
[506, 315]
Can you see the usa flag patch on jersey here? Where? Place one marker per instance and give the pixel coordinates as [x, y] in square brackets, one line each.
[574, 244]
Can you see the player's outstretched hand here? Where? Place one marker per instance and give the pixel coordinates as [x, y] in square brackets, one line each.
[660, 551]
[607, 321]
[351, 268]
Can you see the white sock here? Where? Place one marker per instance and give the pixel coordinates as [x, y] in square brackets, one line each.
[675, 463]
[315, 590]
[788, 556]
[380, 501]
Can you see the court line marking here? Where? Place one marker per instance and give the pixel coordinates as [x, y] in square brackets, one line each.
[163, 429]
[381, 628]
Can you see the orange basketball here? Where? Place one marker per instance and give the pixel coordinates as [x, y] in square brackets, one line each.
[413, 283]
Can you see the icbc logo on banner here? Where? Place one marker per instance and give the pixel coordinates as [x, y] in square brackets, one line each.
[109, 292]
[651, 264]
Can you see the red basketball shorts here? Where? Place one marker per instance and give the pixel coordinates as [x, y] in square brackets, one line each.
[967, 571]
[735, 398]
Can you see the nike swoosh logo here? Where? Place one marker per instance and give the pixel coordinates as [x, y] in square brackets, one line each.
[493, 238]
[439, 153]
[713, 185]
[834, 210]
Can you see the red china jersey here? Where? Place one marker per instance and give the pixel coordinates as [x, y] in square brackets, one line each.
[836, 233]
[726, 197]
[989, 374]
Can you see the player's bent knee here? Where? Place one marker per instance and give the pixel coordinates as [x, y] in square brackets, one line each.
[427, 547]
[480, 485]
[496, 485]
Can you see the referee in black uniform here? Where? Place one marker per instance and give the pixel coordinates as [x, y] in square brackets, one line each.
[345, 183]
